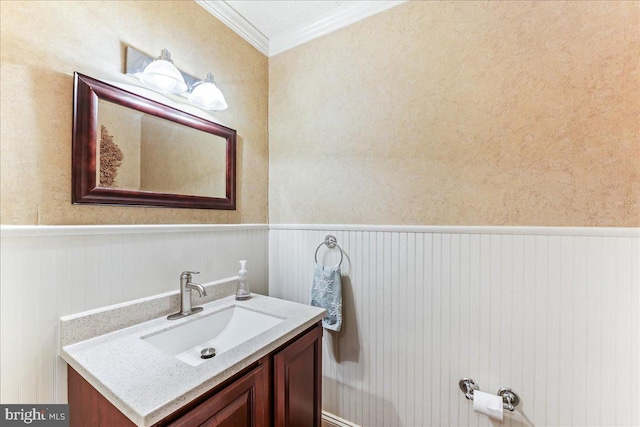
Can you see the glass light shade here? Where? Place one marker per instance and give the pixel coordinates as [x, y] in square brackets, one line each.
[163, 76]
[207, 96]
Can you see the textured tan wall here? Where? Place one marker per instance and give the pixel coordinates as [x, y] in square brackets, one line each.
[474, 113]
[43, 43]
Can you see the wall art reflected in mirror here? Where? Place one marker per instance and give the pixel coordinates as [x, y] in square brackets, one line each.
[130, 150]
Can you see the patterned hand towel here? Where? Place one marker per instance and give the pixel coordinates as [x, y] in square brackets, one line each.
[326, 292]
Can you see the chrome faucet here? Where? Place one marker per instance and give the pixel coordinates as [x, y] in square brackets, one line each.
[186, 285]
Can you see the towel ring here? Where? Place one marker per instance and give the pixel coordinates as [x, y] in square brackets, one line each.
[330, 242]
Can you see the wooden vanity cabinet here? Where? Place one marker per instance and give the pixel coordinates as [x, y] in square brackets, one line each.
[283, 389]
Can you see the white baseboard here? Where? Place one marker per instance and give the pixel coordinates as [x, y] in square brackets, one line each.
[330, 420]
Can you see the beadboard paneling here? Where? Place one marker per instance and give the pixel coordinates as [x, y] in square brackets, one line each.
[48, 272]
[552, 313]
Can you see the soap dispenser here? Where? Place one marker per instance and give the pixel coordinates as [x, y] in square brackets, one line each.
[243, 293]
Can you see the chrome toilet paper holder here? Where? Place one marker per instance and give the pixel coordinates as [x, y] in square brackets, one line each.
[510, 398]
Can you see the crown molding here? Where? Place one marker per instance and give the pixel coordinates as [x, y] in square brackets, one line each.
[333, 20]
[325, 24]
[235, 21]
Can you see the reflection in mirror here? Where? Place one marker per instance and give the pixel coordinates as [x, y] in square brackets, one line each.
[142, 152]
[130, 150]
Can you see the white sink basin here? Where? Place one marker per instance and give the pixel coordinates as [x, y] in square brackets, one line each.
[221, 330]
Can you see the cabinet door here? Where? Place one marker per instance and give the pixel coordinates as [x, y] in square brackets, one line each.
[242, 403]
[297, 378]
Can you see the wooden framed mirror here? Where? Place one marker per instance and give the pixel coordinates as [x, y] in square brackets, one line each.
[131, 150]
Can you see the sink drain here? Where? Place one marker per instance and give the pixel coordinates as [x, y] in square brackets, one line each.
[207, 353]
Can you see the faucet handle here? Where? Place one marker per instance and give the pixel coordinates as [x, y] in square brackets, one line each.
[189, 273]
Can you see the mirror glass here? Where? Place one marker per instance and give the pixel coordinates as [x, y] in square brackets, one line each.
[142, 152]
[131, 150]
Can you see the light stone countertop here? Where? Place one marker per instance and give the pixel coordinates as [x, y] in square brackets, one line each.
[147, 384]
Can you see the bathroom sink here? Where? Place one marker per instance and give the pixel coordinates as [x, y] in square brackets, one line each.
[222, 331]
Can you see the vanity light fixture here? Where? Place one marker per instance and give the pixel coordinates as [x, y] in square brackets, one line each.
[207, 96]
[162, 76]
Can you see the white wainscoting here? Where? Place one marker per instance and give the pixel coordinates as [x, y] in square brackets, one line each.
[552, 313]
[48, 272]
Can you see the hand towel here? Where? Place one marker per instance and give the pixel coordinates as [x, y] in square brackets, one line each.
[326, 292]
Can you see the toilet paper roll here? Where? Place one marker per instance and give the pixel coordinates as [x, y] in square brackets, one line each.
[488, 404]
